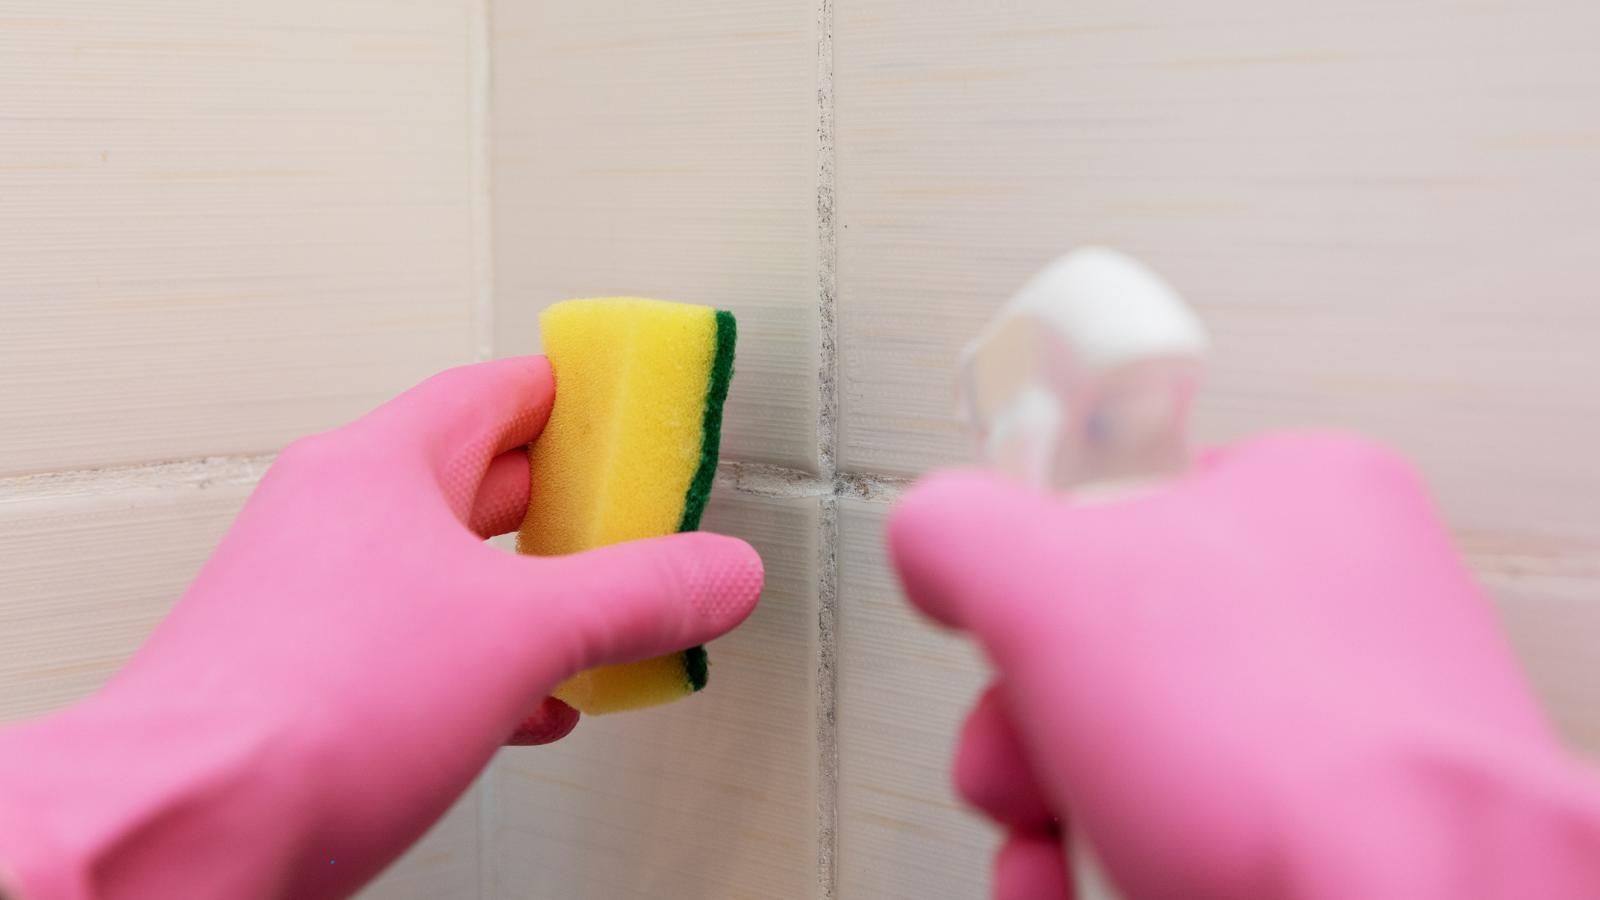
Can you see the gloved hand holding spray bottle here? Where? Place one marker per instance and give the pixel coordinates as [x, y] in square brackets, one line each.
[1260, 673]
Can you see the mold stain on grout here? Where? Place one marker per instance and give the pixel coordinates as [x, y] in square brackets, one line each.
[870, 488]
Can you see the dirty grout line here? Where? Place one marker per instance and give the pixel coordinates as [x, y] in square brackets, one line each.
[763, 480]
[871, 488]
[827, 701]
[827, 464]
[827, 251]
[192, 473]
[753, 479]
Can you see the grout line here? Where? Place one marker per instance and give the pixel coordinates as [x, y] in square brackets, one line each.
[762, 480]
[759, 479]
[753, 479]
[827, 251]
[480, 84]
[769, 481]
[827, 701]
[196, 473]
[872, 488]
[827, 464]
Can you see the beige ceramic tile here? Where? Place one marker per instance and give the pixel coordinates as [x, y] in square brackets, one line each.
[225, 225]
[87, 572]
[713, 796]
[1547, 598]
[667, 150]
[904, 689]
[444, 865]
[1385, 211]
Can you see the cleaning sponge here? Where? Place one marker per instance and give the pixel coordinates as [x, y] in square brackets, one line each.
[629, 452]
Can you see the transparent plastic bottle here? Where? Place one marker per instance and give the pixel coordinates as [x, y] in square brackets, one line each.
[1084, 380]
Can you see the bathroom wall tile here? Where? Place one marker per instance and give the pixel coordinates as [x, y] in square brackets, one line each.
[225, 226]
[667, 150]
[87, 571]
[904, 689]
[713, 796]
[1546, 591]
[444, 865]
[1385, 213]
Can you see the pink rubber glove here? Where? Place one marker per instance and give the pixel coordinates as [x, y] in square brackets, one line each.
[1272, 679]
[346, 663]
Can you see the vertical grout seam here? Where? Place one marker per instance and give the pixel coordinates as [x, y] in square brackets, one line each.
[827, 697]
[827, 463]
[827, 371]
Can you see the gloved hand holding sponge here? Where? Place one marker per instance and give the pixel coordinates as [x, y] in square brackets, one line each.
[353, 653]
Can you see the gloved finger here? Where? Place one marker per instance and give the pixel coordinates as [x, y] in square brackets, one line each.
[551, 722]
[1032, 866]
[631, 601]
[463, 417]
[962, 541]
[502, 498]
[993, 773]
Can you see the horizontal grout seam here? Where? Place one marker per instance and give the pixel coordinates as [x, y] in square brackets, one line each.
[754, 479]
[193, 473]
[762, 480]
[871, 488]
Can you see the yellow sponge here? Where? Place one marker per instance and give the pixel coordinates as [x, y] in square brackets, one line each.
[629, 452]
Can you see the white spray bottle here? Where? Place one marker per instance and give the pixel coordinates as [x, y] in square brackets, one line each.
[1084, 380]
[1082, 384]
